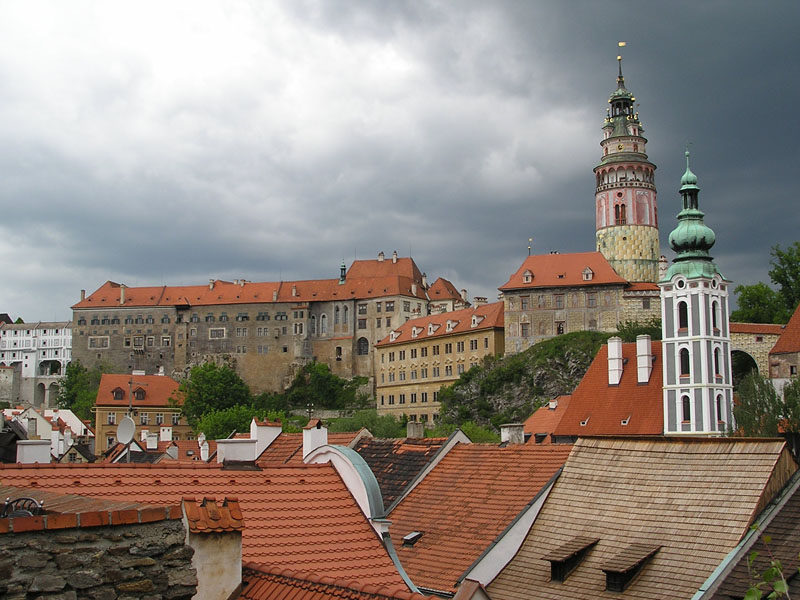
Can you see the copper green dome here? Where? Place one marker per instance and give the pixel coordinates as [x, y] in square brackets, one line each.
[692, 238]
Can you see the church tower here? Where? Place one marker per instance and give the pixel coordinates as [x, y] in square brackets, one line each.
[698, 389]
[625, 195]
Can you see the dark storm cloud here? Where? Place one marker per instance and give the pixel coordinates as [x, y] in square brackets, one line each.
[155, 145]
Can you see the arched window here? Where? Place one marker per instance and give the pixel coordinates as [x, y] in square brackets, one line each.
[313, 325]
[715, 316]
[344, 315]
[686, 409]
[362, 346]
[323, 324]
[717, 370]
[336, 316]
[720, 420]
[684, 354]
[683, 315]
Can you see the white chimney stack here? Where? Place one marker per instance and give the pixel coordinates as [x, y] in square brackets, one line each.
[264, 433]
[315, 434]
[239, 450]
[166, 434]
[204, 451]
[381, 256]
[152, 441]
[415, 430]
[33, 451]
[512, 433]
[614, 360]
[644, 358]
[394, 256]
[122, 293]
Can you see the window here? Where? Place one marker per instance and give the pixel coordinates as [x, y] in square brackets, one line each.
[378, 306]
[402, 376]
[159, 418]
[192, 332]
[165, 319]
[717, 369]
[391, 398]
[138, 341]
[280, 316]
[313, 325]
[242, 316]
[684, 360]
[391, 356]
[217, 333]
[298, 329]
[115, 321]
[389, 306]
[345, 312]
[362, 346]
[714, 316]
[448, 370]
[542, 301]
[176, 418]
[413, 398]
[118, 394]
[81, 321]
[402, 398]
[413, 374]
[166, 341]
[241, 349]
[112, 418]
[792, 369]
[423, 352]
[423, 397]
[683, 316]
[448, 348]
[406, 306]
[435, 396]
[560, 327]
[110, 441]
[95, 321]
[195, 318]
[362, 309]
[460, 368]
[423, 372]
[378, 322]
[139, 394]
[401, 355]
[151, 341]
[98, 342]
[686, 409]
[391, 377]
[143, 418]
[436, 371]
[460, 346]
[388, 321]
[262, 316]
[646, 303]
[436, 350]
[525, 329]
[323, 324]
[473, 344]
[619, 215]
[413, 353]
[591, 299]
[210, 318]
[150, 320]
[338, 353]
[558, 300]
[524, 302]
[104, 321]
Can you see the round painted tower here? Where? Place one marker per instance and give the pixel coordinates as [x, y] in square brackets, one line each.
[625, 196]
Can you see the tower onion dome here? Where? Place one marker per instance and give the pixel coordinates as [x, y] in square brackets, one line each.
[692, 238]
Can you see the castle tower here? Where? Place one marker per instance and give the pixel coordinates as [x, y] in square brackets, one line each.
[698, 389]
[625, 195]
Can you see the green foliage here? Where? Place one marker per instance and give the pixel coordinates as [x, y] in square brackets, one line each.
[758, 410]
[385, 426]
[19, 321]
[742, 364]
[785, 273]
[770, 581]
[473, 431]
[315, 384]
[210, 388]
[77, 390]
[759, 303]
[508, 389]
[629, 330]
[219, 424]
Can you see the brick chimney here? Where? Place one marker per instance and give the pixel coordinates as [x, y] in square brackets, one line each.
[512, 433]
[83, 294]
[614, 360]
[415, 430]
[644, 358]
[315, 434]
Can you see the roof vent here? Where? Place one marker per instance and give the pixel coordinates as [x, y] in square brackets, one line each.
[626, 420]
[412, 538]
[584, 422]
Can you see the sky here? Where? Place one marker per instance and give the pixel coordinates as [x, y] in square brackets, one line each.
[152, 143]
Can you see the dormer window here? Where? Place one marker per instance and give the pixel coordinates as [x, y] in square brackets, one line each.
[119, 394]
[415, 331]
[393, 335]
[527, 276]
[623, 567]
[451, 325]
[588, 274]
[476, 320]
[432, 327]
[564, 559]
[138, 394]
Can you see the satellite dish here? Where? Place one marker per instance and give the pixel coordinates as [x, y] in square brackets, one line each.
[126, 430]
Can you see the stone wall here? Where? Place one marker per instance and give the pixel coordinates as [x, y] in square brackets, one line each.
[147, 561]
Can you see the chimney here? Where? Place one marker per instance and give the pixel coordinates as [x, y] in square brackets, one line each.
[211, 284]
[663, 267]
[512, 433]
[479, 301]
[204, 451]
[464, 294]
[274, 295]
[166, 434]
[33, 451]
[380, 256]
[32, 433]
[294, 291]
[152, 441]
[342, 273]
[614, 360]
[413, 289]
[394, 257]
[83, 294]
[415, 430]
[644, 358]
[314, 436]
[264, 433]
[236, 450]
[425, 281]
[143, 435]
[122, 293]
[553, 404]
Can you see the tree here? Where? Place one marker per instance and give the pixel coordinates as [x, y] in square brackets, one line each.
[211, 387]
[629, 330]
[759, 409]
[77, 390]
[476, 433]
[315, 384]
[385, 426]
[785, 273]
[759, 303]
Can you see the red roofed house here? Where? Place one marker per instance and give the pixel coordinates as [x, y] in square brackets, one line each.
[784, 357]
[445, 297]
[756, 340]
[421, 355]
[148, 397]
[544, 421]
[265, 330]
[552, 294]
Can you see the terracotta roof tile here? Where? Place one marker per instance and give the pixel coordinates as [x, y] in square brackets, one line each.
[790, 338]
[563, 270]
[487, 316]
[464, 503]
[397, 462]
[287, 448]
[545, 420]
[298, 517]
[261, 582]
[157, 390]
[642, 286]
[442, 289]
[761, 328]
[604, 408]
[208, 516]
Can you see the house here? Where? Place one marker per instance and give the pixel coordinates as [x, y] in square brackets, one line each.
[455, 513]
[421, 355]
[756, 340]
[444, 297]
[784, 357]
[545, 419]
[153, 401]
[644, 517]
[68, 435]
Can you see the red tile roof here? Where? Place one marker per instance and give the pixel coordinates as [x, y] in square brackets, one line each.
[546, 419]
[790, 338]
[365, 279]
[287, 448]
[396, 463]
[261, 582]
[642, 286]
[188, 450]
[489, 316]
[300, 517]
[444, 290]
[158, 389]
[760, 328]
[563, 270]
[209, 516]
[464, 503]
[604, 408]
